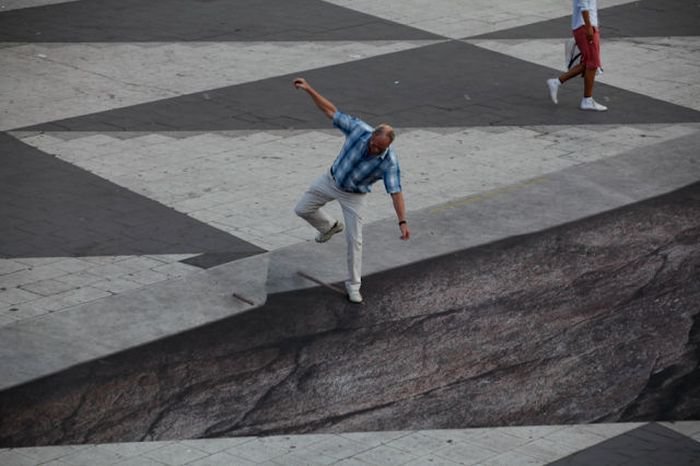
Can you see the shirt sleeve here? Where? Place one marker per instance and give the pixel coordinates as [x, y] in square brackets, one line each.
[584, 5]
[392, 177]
[345, 122]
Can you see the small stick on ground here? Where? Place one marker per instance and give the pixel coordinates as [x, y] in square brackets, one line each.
[319, 282]
[241, 298]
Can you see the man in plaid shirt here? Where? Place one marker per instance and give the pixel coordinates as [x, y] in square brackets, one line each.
[366, 157]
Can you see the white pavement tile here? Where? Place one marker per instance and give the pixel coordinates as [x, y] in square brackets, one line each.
[109, 271]
[25, 311]
[418, 443]
[257, 451]
[80, 279]
[433, 460]
[133, 449]
[222, 459]
[140, 461]
[576, 438]
[13, 296]
[40, 455]
[339, 447]
[466, 453]
[91, 456]
[530, 433]
[116, 285]
[546, 450]
[139, 263]
[72, 265]
[10, 266]
[352, 462]
[293, 442]
[40, 140]
[303, 458]
[7, 317]
[608, 430]
[14, 458]
[688, 428]
[48, 287]
[374, 439]
[384, 455]
[175, 454]
[496, 440]
[216, 445]
[31, 275]
[510, 458]
[146, 277]
[70, 298]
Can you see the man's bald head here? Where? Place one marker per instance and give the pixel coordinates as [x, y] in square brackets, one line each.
[386, 131]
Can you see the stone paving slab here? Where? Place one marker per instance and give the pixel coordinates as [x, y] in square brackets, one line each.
[454, 20]
[671, 80]
[633, 19]
[166, 70]
[223, 196]
[612, 444]
[497, 92]
[670, 63]
[171, 20]
[561, 197]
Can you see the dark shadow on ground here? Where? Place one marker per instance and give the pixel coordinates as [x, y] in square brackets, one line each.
[597, 320]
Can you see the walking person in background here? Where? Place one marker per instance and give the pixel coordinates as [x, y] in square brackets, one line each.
[584, 23]
[366, 157]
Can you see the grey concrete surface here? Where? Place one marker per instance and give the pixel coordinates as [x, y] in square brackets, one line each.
[464, 107]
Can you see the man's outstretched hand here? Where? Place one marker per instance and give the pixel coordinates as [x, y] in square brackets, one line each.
[325, 105]
[300, 83]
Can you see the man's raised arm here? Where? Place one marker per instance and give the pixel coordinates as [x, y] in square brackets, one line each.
[321, 102]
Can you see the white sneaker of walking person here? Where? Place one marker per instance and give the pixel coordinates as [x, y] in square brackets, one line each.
[354, 295]
[336, 228]
[553, 86]
[587, 103]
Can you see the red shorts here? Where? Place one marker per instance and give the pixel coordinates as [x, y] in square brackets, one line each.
[590, 51]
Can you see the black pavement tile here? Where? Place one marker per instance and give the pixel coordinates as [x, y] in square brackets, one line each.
[51, 208]
[446, 84]
[651, 444]
[647, 18]
[197, 20]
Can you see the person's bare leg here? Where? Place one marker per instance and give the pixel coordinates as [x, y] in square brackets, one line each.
[588, 81]
[574, 71]
[553, 84]
[587, 103]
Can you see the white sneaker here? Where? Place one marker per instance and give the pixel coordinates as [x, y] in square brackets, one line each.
[553, 86]
[587, 103]
[354, 295]
[336, 228]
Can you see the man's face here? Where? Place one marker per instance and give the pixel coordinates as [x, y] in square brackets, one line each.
[378, 143]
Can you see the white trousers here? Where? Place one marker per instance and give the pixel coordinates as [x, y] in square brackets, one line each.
[322, 191]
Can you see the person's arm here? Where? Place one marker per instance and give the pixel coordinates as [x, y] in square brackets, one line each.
[589, 27]
[400, 208]
[321, 102]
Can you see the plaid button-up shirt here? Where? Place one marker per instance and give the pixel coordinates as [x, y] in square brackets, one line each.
[355, 169]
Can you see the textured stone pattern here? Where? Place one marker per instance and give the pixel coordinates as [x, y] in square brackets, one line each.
[592, 321]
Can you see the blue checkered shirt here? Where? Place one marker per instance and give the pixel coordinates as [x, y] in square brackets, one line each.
[354, 170]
